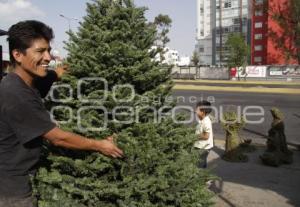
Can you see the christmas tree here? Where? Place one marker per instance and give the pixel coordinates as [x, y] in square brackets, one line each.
[119, 88]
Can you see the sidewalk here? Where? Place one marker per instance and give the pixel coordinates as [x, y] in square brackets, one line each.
[253, 184]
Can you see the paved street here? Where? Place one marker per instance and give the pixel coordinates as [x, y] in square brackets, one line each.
[289, 104]
[251, 184]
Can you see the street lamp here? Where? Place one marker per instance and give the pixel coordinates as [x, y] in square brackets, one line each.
[69, 19]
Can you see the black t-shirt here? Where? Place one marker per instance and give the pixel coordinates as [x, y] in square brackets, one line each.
[43, 85]
[23, 119]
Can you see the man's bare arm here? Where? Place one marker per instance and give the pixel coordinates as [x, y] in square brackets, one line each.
[70, 140]
[204, 136]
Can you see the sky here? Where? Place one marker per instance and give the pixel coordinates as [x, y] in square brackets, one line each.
[182, 13]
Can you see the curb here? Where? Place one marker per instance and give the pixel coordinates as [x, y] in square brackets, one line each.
[240, 82]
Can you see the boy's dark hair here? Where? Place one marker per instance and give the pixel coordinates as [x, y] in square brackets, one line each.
[204, 106]
[22, 34]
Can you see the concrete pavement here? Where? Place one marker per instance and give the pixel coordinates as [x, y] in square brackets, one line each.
[253, 184]
[250, 184]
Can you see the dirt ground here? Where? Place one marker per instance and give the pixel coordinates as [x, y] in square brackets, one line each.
[253, 184]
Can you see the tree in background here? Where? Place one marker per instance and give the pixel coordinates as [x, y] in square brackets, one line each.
[195, 59]
[163, 25]
[113, 43]
[238, 52]
[287, 16]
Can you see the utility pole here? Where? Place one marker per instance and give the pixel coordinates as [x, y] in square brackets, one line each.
[69, 19]
[241, 16]
[221, 32]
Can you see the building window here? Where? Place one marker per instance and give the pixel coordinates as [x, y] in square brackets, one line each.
[226, 29]
[201, 48]
[258, 25]
[258, 36]
[227, 4]
[258, 13]
[202, 32]
[236, 29]
[201, 10]
[236, 21]
[258, 48]
[244, 21]
[257, 59]
[259, 1]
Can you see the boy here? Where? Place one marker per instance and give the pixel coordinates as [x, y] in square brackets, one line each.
[204, 132]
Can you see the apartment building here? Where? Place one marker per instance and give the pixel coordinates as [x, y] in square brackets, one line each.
[216, 19]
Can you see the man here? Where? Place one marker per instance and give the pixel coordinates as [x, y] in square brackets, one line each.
[24, 121]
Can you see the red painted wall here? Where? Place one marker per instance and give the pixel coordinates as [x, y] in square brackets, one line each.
[270, 54]
[263, 31]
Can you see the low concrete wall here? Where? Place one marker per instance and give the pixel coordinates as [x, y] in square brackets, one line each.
[200, 73]
[274, 72]
[214, 73]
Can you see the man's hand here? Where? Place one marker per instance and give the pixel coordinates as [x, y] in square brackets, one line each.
[70, 140]
[108, 148]
[61, 70]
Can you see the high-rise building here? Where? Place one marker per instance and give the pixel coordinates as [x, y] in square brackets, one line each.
[216, 19]
[259, 32]
[252, 18]
[205, 27]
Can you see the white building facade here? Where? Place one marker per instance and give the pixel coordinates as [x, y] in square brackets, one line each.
[171, 57]
[184, 61]
[215, 20]
[204, 31]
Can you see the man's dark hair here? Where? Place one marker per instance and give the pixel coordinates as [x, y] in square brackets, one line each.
[204, 106]
[22, 34]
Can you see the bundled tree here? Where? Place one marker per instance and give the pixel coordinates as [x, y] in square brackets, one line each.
[120, 89]
[195, 59]
[277, 150]
[232, 125]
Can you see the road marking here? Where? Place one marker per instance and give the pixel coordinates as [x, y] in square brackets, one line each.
[238, 89]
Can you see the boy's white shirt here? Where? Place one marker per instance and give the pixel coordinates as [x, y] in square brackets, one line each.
[204, 125]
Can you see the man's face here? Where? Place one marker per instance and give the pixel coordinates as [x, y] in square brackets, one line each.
[36, 57]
